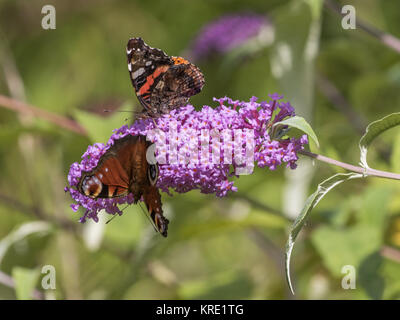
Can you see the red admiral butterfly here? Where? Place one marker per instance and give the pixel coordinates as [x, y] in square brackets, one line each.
[124, 169]
[162, 83]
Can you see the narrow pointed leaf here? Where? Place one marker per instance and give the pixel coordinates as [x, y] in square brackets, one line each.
[23, 231]
[100, 128]
[373, 130]
[323, 188]
[301, 124]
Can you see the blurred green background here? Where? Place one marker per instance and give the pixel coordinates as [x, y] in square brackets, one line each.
[231, 248]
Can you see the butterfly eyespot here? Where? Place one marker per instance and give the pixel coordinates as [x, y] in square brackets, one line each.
[152, 173]
[92, 186]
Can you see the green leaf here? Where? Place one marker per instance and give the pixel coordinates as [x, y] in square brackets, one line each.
[23, 231]
[301, 124]
[323, 188]
[374, 206]
[370, 277]
[373, 130]
[349, 246]
[25, 282]
[100, 128]
[390, 271]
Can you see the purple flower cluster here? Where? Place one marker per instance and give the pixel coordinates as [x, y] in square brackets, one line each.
[226, 33]
[207, 175]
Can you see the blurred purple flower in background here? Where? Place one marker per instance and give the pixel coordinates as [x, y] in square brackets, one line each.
[206, 176]
[229, 32]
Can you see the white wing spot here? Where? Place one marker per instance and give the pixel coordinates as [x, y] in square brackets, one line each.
[138, 73]
[96, 181]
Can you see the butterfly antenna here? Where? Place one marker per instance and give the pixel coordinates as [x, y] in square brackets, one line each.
[148, 217]
[112, 218]
[107, 110]
[126, 119]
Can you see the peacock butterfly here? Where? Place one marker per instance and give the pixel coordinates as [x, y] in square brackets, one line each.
[122, 170]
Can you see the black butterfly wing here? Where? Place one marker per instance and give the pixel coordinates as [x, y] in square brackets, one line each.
[146, 66]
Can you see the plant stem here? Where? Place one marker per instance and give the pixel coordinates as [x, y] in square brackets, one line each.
[58, 120]
[328, 88]
[387, 39]
[8, 281]
[350, 167]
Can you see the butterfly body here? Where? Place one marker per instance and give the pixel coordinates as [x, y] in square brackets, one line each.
[162, 83]
[124, 170]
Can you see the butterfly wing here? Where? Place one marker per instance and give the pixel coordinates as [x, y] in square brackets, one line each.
[188, 77]
[123, 169]
[152, 199]
[111, 177]
[162, 83]
[181, 81]
[146, 66]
